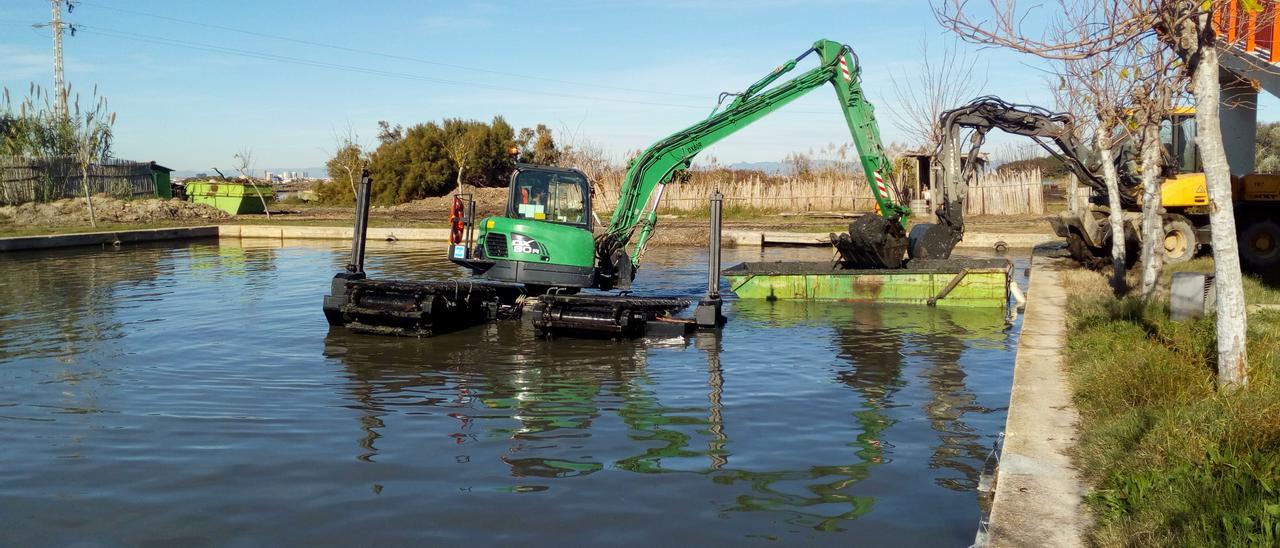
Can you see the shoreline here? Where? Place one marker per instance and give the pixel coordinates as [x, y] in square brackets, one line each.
[676, 236]
[1039, 494]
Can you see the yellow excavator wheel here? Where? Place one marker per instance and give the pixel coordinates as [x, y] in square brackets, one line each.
[1260, 245]
[1179, 240]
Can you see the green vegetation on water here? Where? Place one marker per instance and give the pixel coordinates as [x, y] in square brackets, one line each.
[1173, 460]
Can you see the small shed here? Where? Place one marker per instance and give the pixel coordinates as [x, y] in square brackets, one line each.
[160, 176]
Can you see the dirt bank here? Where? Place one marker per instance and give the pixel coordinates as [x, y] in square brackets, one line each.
[75, 211]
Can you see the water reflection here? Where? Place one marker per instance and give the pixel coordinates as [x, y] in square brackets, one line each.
[193, 387]
[554, 407]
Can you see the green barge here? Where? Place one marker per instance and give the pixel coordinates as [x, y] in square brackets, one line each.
[952, 282]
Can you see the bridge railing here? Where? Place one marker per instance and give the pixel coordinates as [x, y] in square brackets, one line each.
[1249, 28]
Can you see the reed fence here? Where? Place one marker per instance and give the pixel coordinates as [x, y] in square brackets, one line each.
[44, 179]
[1006, 193]
[767, 194]
[990, 193]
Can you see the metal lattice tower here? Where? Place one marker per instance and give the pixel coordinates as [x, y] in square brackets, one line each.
[59, 85]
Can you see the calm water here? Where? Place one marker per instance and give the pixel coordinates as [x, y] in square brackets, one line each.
[192, 394]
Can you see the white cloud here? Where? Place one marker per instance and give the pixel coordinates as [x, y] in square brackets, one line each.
[467, 17]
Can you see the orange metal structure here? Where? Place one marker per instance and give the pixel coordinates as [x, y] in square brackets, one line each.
[1253, 30]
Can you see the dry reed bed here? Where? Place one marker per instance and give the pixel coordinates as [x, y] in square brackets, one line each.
[994, 193]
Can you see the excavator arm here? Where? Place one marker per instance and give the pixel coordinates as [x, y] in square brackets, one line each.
[1053, 131]
[661, 163]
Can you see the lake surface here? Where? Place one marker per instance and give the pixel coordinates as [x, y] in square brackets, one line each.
[192, 394]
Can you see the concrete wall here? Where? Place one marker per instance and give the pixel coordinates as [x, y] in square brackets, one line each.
[1238, 109]
[106, 238]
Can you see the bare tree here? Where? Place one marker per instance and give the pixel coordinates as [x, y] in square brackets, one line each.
[1185, 27]
[462, 147]
[348, 156]
[942, 83]
[1102, 84]
[92, 129]
[1151, 103]
[1067, 98]
[244, 164]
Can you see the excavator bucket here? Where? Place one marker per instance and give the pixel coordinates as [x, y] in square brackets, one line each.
[872, 242]
[932, 241]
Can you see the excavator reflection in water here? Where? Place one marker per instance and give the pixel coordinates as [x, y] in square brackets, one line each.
[552, 410]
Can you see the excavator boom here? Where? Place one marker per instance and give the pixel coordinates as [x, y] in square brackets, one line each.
[879, 242]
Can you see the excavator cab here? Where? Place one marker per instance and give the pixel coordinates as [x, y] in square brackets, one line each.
[543, 240]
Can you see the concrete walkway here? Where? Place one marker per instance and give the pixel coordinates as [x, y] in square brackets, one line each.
[1038, 500]
[22, 243]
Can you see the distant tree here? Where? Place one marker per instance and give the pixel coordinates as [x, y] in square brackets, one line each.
[433, 158]
[941, 83]
[800, 164]
[244, 165]
[344, 171]
[463, 141]
[538, 146]
[1050, 167]
[388, 133]
[495, 160]
[344, 166]
[1266, 156]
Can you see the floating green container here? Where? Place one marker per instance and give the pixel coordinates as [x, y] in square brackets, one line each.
[233, 197]
[961, 282]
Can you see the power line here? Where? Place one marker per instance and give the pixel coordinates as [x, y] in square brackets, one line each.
[503, 73]
[360, 70]
[102, 31]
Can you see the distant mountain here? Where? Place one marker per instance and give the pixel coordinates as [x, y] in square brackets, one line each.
[770, 168]
[781, 168]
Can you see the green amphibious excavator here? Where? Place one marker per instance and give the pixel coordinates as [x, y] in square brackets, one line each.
[547, 239]
[546, 246]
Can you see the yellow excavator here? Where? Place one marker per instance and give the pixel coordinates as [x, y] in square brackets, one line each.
[1184, 199]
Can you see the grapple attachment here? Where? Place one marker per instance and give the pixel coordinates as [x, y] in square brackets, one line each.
[872, 242]
[932, 241]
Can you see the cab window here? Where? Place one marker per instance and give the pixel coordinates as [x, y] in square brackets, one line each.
[547, 196]
[1178, 135]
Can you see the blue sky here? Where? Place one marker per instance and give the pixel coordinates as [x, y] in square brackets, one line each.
[618, 73]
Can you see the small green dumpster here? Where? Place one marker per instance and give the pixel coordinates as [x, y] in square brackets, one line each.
[234, 197]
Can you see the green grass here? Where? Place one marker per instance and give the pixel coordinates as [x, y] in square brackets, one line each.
[1174, 460]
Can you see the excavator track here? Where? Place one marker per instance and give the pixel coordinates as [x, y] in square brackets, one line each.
[603, 315]
[412, 309]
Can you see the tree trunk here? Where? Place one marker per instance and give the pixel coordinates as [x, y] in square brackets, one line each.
[88, 198]
[1232, 320]
[1116, 216]
[1073, 186]
[459, 185]
[1152, 224]
[351, 178]
[265, 209]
